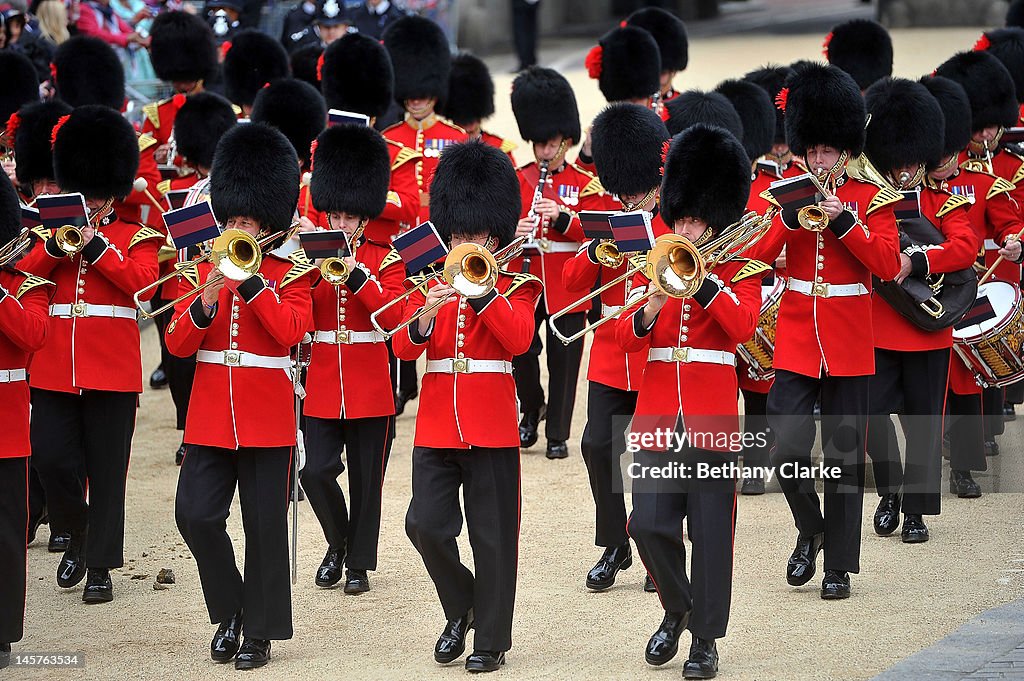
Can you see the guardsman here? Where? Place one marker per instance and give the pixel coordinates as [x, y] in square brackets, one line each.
[710, 108]
[771, 79]
[689, 385]
[241, 419]
[349, 406]
[627, 140]
[545, 108]
[862, 48]
[912, 363]
[304, 63]
[422, 62]
[24, 300]
[472, 444]
[253, 60]
[669, 32]
[20, 86]
[86, 379]
[824, 341]
[470, 100]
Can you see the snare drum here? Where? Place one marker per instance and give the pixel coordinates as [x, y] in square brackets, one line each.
[989, 337]
[759, 351]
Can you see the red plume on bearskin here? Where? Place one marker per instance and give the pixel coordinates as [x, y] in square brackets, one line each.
[12, 127]
[781, 99]
[60, 122]
[824, 45]
[593, 62]
[982, 44]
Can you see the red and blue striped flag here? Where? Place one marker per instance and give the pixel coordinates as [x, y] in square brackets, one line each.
[908, 207]
[337, 117]
[632, 231]
[191, 225]
[57, 210]
[595, 223]
[420, 247]
[330, 244]
[796, 192]
[30, 217]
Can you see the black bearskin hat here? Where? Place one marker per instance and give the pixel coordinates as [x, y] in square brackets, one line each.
[10, 211]
[19, 85]
[1007, 45]
[707, 176]
[351, 171]
[421, 58]
[475, 191]
[626, 64]
[1015, 14]
[989, 86]
[200, 123]
[305, 63]
[756, 112]
[771, 79]
[627, 143]
[823, 105]
[295, 108]
[862, 48]
[668, 31]
[357, 75]
[96, 152]
[711, 108]
[87, 71]
[183, 47]
[545, 106]
[255, 174]
[470, 91]
[254, 60]
[906, 126]
[33, 148]
[956, 111]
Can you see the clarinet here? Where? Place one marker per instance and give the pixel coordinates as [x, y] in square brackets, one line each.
[530, 245]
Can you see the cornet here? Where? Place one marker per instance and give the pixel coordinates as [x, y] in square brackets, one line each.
[813, 218]
[334, 271]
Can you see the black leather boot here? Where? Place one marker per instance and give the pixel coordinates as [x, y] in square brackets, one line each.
[227, 639]
[98, 587]
[451, 644]
[615, 558]
[664, 644]
[329, 572]
[962, 484]
[703, 660]
[887, 515]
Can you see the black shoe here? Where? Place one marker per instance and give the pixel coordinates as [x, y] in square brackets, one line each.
[226, 640]
[703, 660]
[329, 572]
[485, 661]
[914, 529]
[33, 526]
[887, 515]
[528, 429]
[254, 653]
[649, 585]
[179, 455]
[71, 568]
[557, 449]
[158, 379]
[801, 565]
[5, 655]
[753, 486]
[664, 644]
[356, 582]
[615, 558]
[835, 585]
[963, 485]
[403, 396]
[452, 641]
[58, 543]
[1009, 413]
[98, 588]
[991, 448]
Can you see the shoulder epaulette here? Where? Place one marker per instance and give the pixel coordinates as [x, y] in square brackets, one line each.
[392, 126]
[975, 164]
[404, 154]
[152, 113]
[592, 187]
[421, 280]
[751, 268]
[998, 187]
[146, 141]
[767, 196]
[507, 146]
[31, 282]
[163, 186]
[146, 233]
[519, 279]
[188, 270]
[452, 125]
[1019, 175]
[884, 197]
[390, 259]
[298, 270]
[42, 232]
[298, 256]
[952, 203]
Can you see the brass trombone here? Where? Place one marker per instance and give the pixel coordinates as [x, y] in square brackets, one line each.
[676, 267]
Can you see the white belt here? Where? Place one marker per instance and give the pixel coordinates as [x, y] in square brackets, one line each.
[348, 337]
[609, 310]
[561, 247]
[12, 375]
[688, 355]
[236, 358]
[468, 366]
[826, 290]
[90, 310]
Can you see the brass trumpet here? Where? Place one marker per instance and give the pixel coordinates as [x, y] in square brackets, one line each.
[813, 218]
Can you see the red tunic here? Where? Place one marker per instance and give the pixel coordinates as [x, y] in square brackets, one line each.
[1005, 164]
[505, 145]
[403, 202]
[428, 138]
[459, 411]
[137, 205]
[159, 118]
[353, 381]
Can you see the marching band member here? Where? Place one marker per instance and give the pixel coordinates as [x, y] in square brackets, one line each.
[690, 383]
[669, 32]
[824, 336]
[911, 363]
[545, 109]
[240, 428]
[771, 78]
[349, 405]
[23, 328]
[85, 381]
[470, 100]
[628, 141]
[252, 60]
[862, 48]
[473, 444]
[19, 86]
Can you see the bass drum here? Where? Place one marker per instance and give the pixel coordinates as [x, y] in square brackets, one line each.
[989, 337]
[759, 351]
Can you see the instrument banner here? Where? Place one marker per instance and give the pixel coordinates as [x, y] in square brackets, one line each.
[328, 244]
[420, 247]
[191, 225]
[58, 210]
[632, 231]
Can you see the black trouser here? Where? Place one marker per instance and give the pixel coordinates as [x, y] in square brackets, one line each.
[966, 437]
[36, 495]
[844, 409]
[490, 482]
[608, 413]
[992, 412]
[13, 531]
[1014, 393]
[180, 371]
[656, 525]
[755, 420]
[912, 384]
[367, 446]
[86, 437]
[524, 31]
[563, 373]
[206, 486]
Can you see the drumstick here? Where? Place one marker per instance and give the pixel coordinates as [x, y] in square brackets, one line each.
[1000, 259]
[141, 185]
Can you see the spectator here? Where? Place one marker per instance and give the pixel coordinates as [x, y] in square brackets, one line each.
[99, 19]
[524, 31]
[53, 21]
[373, 16]
[22, 35]
[441, 12]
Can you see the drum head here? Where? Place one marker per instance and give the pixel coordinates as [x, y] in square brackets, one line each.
[995, 304]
